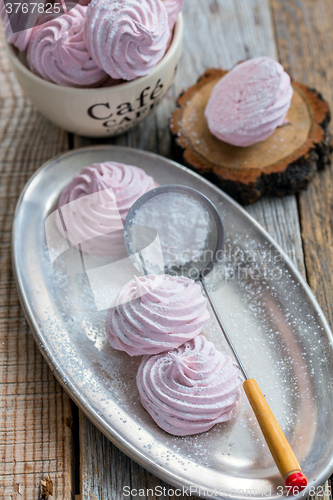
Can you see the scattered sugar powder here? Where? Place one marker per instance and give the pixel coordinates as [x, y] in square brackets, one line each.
[182, 225]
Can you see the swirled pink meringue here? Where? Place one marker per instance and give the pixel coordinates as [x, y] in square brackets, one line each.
[190, 389]
[173, 7]
[94, 220]
[20, 39]
[148, 319]
[249, 102]
[127, 38]
[57, 51]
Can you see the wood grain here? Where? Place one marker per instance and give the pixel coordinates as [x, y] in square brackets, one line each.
[105, 470]
[283, 164]
[305, 44]
[218, 33]
[35, 413]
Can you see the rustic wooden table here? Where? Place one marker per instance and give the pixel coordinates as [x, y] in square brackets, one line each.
[41, 431]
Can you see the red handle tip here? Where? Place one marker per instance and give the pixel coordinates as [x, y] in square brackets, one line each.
[296, 481]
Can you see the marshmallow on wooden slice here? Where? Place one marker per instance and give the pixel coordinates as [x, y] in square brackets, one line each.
[249, 102]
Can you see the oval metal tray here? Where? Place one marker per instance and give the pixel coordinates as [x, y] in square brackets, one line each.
[272, 316]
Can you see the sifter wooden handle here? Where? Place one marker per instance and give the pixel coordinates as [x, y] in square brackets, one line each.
[279, 447]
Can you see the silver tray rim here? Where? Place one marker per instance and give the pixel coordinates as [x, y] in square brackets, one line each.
[69, 388]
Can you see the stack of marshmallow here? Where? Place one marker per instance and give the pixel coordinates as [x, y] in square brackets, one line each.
[99, 43]
[185, 384]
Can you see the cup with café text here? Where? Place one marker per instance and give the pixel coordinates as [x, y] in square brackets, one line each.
[104, 111]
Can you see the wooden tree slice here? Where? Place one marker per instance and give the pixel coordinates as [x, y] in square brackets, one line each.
[282, 164]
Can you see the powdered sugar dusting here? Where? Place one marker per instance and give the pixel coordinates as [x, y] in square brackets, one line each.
[274, 324]
[182, 225]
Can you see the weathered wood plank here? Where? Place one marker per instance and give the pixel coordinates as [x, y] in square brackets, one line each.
[305, 42]
[35, 413]
[218, 33]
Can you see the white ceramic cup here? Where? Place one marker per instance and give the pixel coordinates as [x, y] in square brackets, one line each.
[105, 111]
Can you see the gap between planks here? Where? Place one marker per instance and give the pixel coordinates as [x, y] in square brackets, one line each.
[305, 43]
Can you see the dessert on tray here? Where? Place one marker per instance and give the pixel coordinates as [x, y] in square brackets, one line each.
[185, 384]
[20, 39]
[190, 389]
[235, 129]
[153, 314]
[249, 102]
[95, 203]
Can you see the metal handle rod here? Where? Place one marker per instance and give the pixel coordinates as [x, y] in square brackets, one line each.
[225, 333]
[279, 447]
[145, 272]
